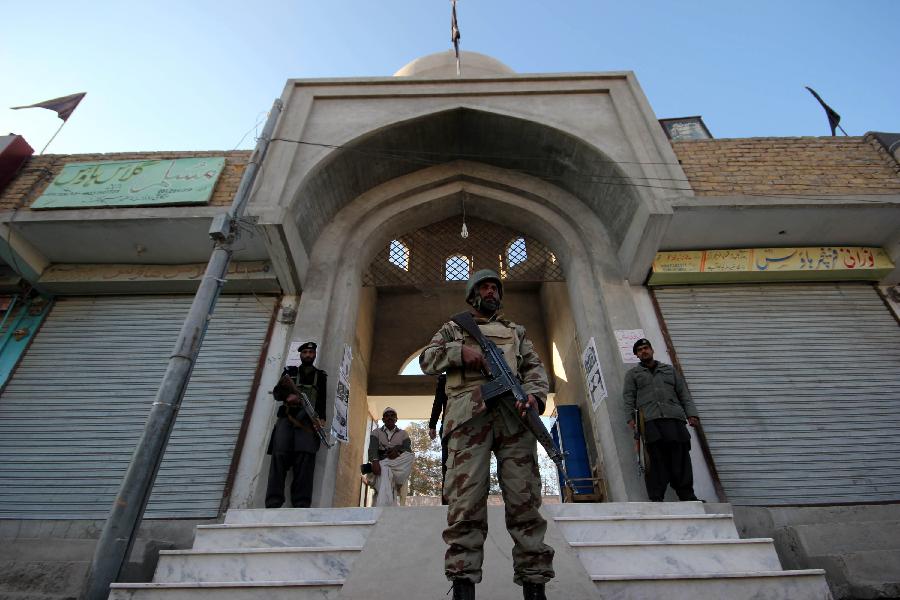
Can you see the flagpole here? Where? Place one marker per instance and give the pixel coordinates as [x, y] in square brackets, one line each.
[52, 138]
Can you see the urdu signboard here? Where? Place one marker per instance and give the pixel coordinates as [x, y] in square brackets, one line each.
[133, 183]
[747, 265]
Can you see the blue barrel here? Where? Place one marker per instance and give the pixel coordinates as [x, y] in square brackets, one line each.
[568, 433]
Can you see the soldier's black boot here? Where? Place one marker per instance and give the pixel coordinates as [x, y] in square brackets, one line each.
[463, 589]
[533, 591]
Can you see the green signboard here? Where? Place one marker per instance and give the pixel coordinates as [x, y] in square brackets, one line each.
[133, 183]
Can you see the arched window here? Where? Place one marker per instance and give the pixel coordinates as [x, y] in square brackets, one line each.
[398, 254]
[516, 252]
[411, 366]
[456, 268]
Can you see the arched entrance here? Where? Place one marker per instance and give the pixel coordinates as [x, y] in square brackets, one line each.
[337, 205]
[419, 279]
[367, 225]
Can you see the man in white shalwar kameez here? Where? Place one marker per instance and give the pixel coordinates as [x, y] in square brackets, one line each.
[391, 456]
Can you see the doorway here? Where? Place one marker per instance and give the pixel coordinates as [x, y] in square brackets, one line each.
[418, 280]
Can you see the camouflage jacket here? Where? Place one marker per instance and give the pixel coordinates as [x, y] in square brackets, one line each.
[444, 354]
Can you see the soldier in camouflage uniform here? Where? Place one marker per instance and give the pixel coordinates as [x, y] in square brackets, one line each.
[474, 429]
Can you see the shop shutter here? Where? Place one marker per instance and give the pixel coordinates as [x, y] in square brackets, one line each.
[798, 388]
[73, 411]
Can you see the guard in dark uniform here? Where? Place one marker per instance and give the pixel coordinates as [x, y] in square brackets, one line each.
[294, 442]
[656, 394]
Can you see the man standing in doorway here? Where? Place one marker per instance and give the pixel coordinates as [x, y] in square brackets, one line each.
[473, 429]
[658, 404]
[391, 457]
[438, 408]
[294, 441]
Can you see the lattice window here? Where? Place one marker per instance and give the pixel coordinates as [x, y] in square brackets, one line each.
[456, 268]
[398, 254]
[516, 252]
[515, 256]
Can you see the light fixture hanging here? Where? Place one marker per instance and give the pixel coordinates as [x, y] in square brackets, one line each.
[464, 233]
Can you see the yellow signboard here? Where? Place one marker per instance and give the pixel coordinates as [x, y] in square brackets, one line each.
[820, 263]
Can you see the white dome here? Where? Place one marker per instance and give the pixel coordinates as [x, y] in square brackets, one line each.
[443, 64]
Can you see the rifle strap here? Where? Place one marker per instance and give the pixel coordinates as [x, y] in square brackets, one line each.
[468, 325]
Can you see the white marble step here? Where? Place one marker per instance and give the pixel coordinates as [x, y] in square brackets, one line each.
[267, 590]
[648, 528]
[678, 558]
[608, 509]
[770, 585]
[283, 535]
[299, 515]
[255, 564]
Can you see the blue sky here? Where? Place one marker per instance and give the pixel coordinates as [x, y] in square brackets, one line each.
[198, 75]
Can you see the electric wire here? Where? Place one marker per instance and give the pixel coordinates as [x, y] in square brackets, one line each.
[691, 184]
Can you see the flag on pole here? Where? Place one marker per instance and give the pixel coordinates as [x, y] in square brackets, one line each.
[454, 34]
[63, 106]
[834, 119]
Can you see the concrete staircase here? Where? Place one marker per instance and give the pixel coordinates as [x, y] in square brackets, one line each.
[290, 554]
[613, 551]
[678, 551]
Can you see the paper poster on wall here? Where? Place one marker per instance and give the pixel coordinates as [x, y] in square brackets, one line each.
[596, 385]
[342, 398]
[626, 338]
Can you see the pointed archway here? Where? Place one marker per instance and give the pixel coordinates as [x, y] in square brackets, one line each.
[335, 302]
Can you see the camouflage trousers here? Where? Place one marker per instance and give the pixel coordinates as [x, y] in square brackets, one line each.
[466, 488]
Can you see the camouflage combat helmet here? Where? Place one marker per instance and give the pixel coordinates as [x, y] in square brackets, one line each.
[480, 276]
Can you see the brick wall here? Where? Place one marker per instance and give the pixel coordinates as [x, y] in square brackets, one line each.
[753, 166]
[37, 173]
[787, 166]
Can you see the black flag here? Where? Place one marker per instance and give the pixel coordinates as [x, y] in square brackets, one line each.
[454, 30]
[62, 106]
[834, 119]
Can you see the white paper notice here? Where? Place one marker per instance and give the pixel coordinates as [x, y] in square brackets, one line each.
[593, 376]
[342, 398]
[626, 339]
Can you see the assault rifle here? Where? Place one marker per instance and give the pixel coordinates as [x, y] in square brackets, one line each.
[638, 440]
[502, 381]
[307, 406]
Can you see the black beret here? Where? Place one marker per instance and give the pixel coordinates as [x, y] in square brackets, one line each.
[641, 342]
[307, 346]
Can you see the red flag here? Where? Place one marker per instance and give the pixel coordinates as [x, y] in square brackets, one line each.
[63, 106]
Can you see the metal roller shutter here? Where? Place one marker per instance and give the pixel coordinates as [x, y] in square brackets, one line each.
[73, 411]
[798, 388]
